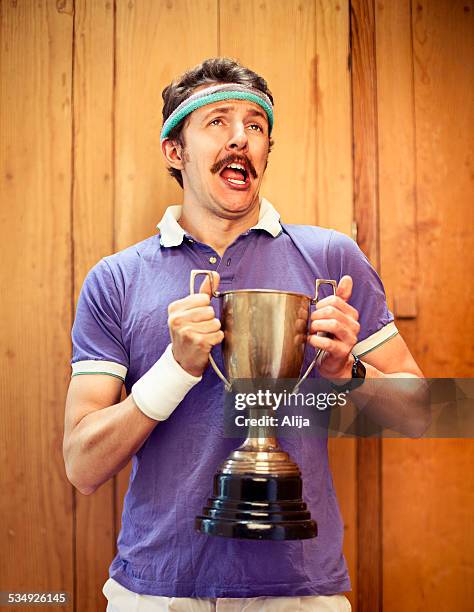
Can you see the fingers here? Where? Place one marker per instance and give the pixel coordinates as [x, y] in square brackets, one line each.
[330, 319]
[337, 320]
[203, 341]
[337, 351]
[337, 303]
[204, 327]
[190, 301]
[206, 283]
[203, 298]
[346, 330]
[344, 288]
[177, 318]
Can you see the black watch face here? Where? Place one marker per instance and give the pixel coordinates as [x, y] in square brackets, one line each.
[358, 369]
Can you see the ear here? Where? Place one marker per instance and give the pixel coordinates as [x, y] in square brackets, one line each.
[173, 154]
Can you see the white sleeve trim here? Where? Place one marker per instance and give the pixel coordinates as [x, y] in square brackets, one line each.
[372, 342]
[92, 366]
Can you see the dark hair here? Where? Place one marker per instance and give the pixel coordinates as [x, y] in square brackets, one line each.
[214, 70]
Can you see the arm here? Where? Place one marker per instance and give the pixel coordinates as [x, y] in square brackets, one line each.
[392, 359]
[398, 406]
[101, 433]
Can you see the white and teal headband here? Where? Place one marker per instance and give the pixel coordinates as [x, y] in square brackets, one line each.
[216, 93]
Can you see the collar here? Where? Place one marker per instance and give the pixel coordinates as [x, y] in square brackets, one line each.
[172, 234]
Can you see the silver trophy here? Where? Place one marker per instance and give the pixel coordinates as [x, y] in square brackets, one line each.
[257, 491]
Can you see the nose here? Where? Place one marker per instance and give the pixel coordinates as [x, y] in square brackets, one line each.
[238, 139]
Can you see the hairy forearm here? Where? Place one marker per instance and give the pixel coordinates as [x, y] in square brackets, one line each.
[103, 442]
[398, 401]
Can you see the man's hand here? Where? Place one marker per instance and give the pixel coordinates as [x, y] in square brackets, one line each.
[336, 317]
[194, 328]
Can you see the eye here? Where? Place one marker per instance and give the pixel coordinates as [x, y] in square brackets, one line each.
[256, 127]
[216, 121]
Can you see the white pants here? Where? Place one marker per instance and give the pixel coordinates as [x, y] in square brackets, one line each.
[122, 600]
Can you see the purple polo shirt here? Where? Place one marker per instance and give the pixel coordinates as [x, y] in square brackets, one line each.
[121, 329]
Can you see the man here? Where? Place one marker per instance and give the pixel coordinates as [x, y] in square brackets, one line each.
[136, 323]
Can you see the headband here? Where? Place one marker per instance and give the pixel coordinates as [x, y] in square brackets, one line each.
[216, 93]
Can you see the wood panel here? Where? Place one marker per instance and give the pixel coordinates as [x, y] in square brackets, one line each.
[93, 239]
[277, 40]
[443, 45]
[366, 214]
[333, 117]
[428, 535]
[364, 116]
[429, 484]
[396, 152]
[36, 503]
[155, 42]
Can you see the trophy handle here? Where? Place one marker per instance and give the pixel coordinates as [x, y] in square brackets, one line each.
[215, 294]
[319, 282]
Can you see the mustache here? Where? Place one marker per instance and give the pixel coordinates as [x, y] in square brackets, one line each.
[237, 159]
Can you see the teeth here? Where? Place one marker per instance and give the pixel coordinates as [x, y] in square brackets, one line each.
[236, 166]
[236, 181]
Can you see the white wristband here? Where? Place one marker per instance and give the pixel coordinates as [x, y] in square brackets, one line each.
[158, 392]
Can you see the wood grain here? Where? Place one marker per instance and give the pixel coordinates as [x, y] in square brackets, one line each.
[364, 112]
[443, 46]
[277, 40]
[334, 189]
[366, 214]
[428, 498]
[428, 484]
[156, 41]
[36, 502]
[397, 164]
[93, 239]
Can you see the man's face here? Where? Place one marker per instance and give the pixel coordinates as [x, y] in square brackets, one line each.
[226, 151]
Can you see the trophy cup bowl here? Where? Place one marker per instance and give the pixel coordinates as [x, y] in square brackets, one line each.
[257, 491]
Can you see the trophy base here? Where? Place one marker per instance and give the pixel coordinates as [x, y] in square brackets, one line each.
[257, 507]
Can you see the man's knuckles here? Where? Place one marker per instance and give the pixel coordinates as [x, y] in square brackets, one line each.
[187, 334]
[196, 332]
[216, 324]
[190, 301]
[331, 300]
[219, 337]
[174, 321]
[327, 325]
[334, 307]
[182, 317]
[207, 327]
[325, 312]
[336, 302]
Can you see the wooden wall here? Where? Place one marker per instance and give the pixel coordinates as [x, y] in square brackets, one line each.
[374, 115]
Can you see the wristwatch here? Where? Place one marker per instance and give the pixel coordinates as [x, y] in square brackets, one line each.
[358, 377]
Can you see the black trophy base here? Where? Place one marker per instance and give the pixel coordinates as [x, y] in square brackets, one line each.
[257, 507]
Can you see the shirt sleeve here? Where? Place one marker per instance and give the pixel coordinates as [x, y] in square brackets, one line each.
[377, 324]
[97, 344]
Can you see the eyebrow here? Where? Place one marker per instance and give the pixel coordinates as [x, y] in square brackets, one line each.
[225, 110]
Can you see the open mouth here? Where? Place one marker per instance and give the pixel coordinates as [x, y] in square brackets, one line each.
[236, 174]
